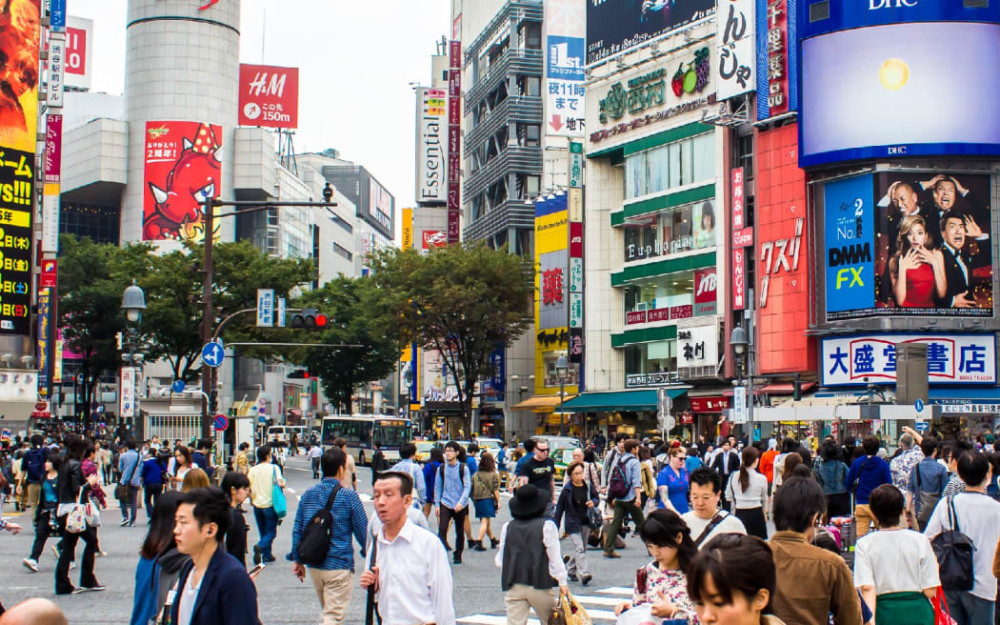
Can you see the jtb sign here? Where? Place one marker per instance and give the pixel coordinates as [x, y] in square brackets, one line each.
[951, 359]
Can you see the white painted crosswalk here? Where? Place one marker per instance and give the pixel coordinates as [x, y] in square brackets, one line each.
[600, 606]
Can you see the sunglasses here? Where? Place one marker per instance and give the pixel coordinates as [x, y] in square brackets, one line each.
[544, 451]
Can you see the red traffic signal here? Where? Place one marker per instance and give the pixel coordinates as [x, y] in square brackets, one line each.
[299, 374]
[310, 319]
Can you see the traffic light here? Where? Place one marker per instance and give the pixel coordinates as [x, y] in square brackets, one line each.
[299, 374]
[309, 319]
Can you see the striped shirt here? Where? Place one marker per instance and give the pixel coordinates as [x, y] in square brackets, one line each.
[348, 518]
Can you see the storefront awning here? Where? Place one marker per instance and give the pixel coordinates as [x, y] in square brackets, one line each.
[541, 403]
[613, 401]
[786, 388]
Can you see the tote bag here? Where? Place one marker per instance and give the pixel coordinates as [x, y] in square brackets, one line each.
[280, 504]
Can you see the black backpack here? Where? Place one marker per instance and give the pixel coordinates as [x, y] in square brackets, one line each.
[953, 551]
[315, 541]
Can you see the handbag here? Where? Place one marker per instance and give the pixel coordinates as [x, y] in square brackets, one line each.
[123, 492]
[92, 513]
[279, 502]
[76, 520]
[573, 612]
[594, 518]
[954, 551]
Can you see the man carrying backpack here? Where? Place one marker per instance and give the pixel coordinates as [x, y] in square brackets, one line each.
[327, 516]
[33, 469]
[451, 492]
[624, 487]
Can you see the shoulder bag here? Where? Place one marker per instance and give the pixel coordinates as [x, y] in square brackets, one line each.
[372, 617]
[718, 518]
[123, 492]
[954, 551]
[278, 501]
[927, 502]
[76, 520]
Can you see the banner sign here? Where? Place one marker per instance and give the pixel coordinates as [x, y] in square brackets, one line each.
[17, 186]
[269, 96]
[57, 69]
[182, 167]
[265, 308]
[50, 218]
[705, 292]
[126, 395]
[57, 15]
[777, 58]
[53, 148]
[951, 359]
[49, 276]
[78, 37]
[614, 26]
[698, 347]
[432, 144]
[739, 253]
[454, 141]
[565, 26]
[735, 44]
[46, 334]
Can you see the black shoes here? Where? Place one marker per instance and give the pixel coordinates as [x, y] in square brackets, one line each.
[458, 558]
[478, 545]
[494, 542]
[256, 554]
[586, 579]
[572, 578]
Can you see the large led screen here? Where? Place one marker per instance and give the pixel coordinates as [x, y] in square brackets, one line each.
[614, 26]
[908, 244]
[901, 90]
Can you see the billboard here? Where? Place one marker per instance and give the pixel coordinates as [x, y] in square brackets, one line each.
[552, 260]
[951, 359]
[909, 244]
[269, 96]
[777, 58]
[79, 36]
[784, 263]
[735, 47]
[183, 167]
[877, 92]
[615, 26]
[565, 51]
[432, 146]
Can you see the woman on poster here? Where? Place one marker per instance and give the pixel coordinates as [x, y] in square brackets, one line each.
[916, 269]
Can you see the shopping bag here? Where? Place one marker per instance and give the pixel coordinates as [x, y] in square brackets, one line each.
[639, 615]
[92, 513]
[76, 520]
[941, 614]
[573, 612]
[278, 497]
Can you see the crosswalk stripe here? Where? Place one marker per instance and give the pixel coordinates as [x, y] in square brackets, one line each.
[588, 600]
[486, 619]
[621, 590]
[599, 600]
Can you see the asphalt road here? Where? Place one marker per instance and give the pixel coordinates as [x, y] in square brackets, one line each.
[282, 598]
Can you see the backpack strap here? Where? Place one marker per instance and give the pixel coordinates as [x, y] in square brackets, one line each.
[333, 495]
[718, 518]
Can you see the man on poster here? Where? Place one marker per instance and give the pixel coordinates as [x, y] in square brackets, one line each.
[958, 264]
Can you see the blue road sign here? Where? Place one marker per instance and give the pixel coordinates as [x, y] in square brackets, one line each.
[221, 423]
[923, 426]
[212, 354]
[919, 405]
[178, 386]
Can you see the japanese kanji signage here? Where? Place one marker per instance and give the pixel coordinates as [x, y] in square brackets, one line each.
[776, 59]
[951, 359]
[738, 251]
[552, 256]
[734, 45]
[565, 32]
[269, 96]
[698, 346]
[16, 189]
[454, 141]
[57, 69]
[46, 334]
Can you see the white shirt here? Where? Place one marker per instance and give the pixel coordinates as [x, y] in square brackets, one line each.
[977, 519]
[895, 561]
[315, 451]
[729, 525]
[755, 496]
[550, 538]
[415, 584]
[189, 596]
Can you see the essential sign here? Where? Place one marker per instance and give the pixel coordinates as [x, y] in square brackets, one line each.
[432, 146]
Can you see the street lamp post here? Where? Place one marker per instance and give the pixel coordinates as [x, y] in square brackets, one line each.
[133, 303]
[742, 346]
[562, 366]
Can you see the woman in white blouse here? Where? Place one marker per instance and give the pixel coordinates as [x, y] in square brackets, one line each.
[747, 489]
[895, 568]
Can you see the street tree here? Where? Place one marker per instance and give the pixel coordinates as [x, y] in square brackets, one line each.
[462, 301]
[92, 279]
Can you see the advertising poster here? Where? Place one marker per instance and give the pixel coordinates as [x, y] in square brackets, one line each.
[933, 252]
[183, 167]
[735, 47]
[850, 242]
[777, 58]
[19, 99]
[705, 292]
[16, 190]
[565, 51]
[432, 146]
[269, 96]
[79, 34]
[552, 260]
[614, 26]
[45, 337]
[896, 105]
[951, 359]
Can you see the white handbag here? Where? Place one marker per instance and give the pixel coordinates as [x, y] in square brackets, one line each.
[76, 520]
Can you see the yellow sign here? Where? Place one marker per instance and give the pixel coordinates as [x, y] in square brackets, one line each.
[20, 219]
[407, 229]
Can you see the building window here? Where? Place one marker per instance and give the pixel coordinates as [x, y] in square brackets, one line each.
[656, 357]
[670, 231]
[531, 35]
[687, 162]
[533, 138]
[529, 86]
[98, 223]
[343, 251]
[662, 298]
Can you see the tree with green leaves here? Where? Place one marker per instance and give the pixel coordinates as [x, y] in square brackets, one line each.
[463, 301]
[92, 279]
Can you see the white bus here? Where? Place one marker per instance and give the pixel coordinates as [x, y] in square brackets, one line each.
[362, 431]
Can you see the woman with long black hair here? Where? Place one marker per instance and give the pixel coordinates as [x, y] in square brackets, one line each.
[45, 514]
[71, 483]
[159, 561]
[747, 489]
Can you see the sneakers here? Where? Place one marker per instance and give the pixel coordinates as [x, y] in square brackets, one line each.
[123, 523]
[30, 564]
[586, 579]
[82, 589]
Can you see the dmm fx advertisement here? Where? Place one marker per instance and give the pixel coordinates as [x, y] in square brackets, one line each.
[909, 244]
[951, 359]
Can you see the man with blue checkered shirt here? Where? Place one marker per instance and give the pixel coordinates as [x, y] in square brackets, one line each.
[333, 580]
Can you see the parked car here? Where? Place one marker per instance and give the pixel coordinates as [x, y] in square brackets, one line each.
[424, 450]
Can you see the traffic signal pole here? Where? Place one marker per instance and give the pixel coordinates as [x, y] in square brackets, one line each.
[209, 387]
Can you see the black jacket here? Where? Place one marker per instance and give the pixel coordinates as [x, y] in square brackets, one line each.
[574, 520]
[70, 481]
[227, 596]
[956, 281]
[734, 464]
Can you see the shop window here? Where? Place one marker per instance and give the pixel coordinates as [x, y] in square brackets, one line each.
[687, 162]
[551, 378]
[681, 229]
[647, 358]
[663, 298]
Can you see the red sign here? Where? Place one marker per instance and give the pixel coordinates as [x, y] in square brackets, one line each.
[634, 317]
[269, 96]
[739, 279]
[737, 200]
[681, 312]
[687, 418]
[777, 57]
[434, 238]
[709, 404]
[659, 314]
[50, 272]
[743, 237]
[705, 292]
[76, 51]
[576, 239]
[182, 166]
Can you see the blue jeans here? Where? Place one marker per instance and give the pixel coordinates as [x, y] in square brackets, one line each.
[131, 504]
[267, 526]
[968, 609]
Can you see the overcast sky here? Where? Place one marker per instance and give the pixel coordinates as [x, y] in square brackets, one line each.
[356, 61]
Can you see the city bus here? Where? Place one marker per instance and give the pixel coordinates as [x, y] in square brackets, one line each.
[362, 431]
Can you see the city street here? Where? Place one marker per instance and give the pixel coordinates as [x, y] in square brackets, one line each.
[282, 599]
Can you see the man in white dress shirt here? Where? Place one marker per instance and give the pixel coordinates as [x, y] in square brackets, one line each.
[410, 573]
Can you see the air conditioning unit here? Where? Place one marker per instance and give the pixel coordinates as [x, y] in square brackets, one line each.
[641, 306]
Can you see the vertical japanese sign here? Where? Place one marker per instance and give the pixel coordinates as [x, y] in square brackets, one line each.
[57, 15]
[18, 126]
[432, 143]
[776, 58]
[739, 251]
[551, 256]
[565, 50]
[269, 96]
[183, 166]
[735, 44]
[57, 69]
[126, 394]
[46, 335]
[265, 308]
[575, 215]
[454, 140]
[53, 148]
[407, 242]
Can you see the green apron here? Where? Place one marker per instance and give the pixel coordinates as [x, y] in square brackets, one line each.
[912, 608]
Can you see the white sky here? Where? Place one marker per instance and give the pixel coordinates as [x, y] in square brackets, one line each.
[356, 60]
